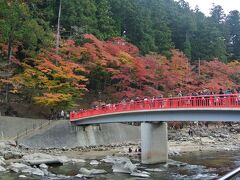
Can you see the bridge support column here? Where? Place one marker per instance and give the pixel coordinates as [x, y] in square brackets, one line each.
[154, 143]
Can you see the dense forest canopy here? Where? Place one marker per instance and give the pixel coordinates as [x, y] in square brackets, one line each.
[119, 48]
[152, 25]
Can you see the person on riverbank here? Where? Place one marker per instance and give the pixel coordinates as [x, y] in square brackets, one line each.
[62, 114]
[190, 132]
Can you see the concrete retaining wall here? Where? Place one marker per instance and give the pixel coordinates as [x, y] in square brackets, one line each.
[63, 134]
[10, 127]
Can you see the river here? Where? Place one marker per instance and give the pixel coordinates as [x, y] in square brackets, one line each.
[195, 165]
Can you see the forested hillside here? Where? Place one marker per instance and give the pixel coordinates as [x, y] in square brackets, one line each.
[151, 25]
[113, 49]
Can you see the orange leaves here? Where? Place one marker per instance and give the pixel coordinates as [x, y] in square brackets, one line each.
[115, 67]
[216, 74]
[52, 78]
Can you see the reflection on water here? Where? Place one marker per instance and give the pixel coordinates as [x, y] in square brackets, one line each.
[195, 165]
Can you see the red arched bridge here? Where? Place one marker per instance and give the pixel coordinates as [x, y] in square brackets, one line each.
[154, 135]
[187, 108]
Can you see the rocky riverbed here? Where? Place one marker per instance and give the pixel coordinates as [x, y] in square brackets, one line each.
[24, 161]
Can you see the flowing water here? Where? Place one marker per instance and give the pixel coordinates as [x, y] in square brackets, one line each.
[197, 165]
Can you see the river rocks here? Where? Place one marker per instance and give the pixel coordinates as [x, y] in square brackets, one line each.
[33, 171]
[203, 134]
[22, 176]
[224, 135]
[2, 163]
[121, 164]
[12, 155]
[43, 166]
[108, 159]
[17, 167]
[207, 140]
[154, 170]
[142, 174]
[79, 176]
[23, 168]
[114, 159]
[94, 162]
[76, 161]
[90, 172]
[173, 153]
[2, 145]
[2, 169]
[7, 144]
[124, 165]
[40, 158]
[11, 143]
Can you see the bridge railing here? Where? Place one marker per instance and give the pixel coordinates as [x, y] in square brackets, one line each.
[206, 101]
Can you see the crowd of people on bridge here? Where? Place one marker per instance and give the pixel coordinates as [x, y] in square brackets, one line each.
[180, 98]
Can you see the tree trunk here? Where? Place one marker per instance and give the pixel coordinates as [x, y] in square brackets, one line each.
[9, 55]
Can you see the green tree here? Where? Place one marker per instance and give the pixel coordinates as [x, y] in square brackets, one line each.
[217, 14]
[81, 14]
[187, 47]
[17, 25]
[106, 24]
[233, 24]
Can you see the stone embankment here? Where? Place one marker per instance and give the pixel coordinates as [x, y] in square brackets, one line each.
[63, 134]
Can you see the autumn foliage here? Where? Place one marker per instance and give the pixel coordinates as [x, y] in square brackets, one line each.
[51, 79]
[116, 69]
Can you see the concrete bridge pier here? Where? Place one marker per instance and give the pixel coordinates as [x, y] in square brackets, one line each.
[154, 142]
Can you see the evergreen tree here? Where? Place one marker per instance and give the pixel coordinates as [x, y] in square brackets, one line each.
[17, 24]
[217, 14]
[187, 47]
[81, 14]
[106, 24]
[233, 24]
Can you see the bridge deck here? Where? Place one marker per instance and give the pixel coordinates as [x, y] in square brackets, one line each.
[200, 104]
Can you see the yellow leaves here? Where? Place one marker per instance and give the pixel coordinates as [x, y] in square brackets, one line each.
[125, 58]
[234, 65]
[14, 91]
[52, 99]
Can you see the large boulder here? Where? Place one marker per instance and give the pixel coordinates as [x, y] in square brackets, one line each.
[94, 162]
[86, 172]
[23, 168]
[2, 169]
[18, 167]
[124, 167]
[40, 158]
[3, 145]
[121, 164]
[2, 163]
[12, 155]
